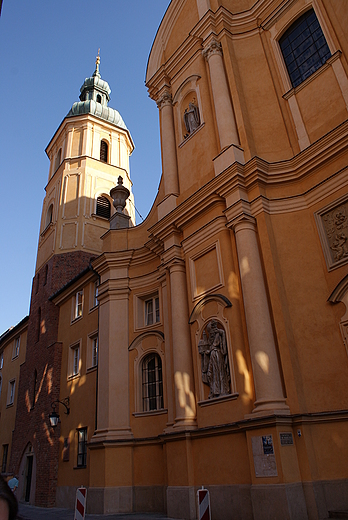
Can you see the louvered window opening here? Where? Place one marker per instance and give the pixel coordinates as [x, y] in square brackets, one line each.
[152, 384]
[304, 48]
[104, 151]
[103, 207]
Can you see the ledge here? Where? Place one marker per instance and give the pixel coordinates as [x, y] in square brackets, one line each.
[217, 400]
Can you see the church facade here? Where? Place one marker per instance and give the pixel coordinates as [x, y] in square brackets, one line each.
[208, 345]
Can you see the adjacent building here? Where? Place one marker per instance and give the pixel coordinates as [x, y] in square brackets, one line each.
[206, 346]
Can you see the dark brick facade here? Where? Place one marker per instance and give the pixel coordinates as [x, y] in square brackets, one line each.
[39, 382]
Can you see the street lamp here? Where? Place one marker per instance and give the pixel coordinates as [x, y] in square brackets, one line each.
[54, 416]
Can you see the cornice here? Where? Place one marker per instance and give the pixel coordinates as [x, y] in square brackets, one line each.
[113, 260]
[258, 172]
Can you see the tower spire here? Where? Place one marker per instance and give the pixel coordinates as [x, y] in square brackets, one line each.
[97, 62]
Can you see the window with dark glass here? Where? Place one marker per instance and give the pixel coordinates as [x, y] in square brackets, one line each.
[304, 48]
[104, 151]
[82, 447]
[103, 207]
[4, 458]
[152, 383]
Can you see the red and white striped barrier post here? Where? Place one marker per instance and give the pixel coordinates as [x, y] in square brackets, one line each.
[203, 504]
[80, 505]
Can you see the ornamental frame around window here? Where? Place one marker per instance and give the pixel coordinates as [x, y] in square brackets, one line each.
[303, 44]
[82, 447]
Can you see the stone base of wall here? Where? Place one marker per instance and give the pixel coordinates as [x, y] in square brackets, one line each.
[298, 501]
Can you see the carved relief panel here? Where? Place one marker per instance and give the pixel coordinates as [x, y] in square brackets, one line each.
[332, 223]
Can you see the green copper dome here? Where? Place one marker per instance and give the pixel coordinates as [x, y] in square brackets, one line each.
[95, 95]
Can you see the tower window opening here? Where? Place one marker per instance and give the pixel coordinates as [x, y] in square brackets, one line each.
[304, 48]
[103, 207]
[104, 151]
[99, 99]
[49, 216]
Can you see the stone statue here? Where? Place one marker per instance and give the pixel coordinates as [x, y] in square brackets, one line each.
[214, 360]
[191, 118]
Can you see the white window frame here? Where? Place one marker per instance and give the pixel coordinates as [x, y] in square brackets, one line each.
[151, 310]
[1, 360]
[11, 392]
[16, 347]
[93, 343]
[78, 305]
[94, 294]
[74, 362]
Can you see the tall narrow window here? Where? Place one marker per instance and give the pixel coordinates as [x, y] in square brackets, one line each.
[76, 361]
[1, 360]
[82, 447]
[11, 392]
[58, 159]
[98, 98]
[103, 207]
[16, 347]
[95, 351]
[38, 323]
[152, 383]
[78, 304]
[34, 388]
[4, 458]
[49, 216]
[95, 293]
[0, 384]
[104, 151]
[304, 48]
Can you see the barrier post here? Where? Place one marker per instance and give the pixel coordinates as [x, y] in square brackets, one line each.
[80, 504]
[204, 512]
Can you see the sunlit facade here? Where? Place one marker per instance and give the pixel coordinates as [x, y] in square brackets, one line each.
[206, 346]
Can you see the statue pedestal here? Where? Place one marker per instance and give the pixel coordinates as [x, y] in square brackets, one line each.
[119, 221]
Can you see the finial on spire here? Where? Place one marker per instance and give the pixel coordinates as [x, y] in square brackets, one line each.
[97, 61]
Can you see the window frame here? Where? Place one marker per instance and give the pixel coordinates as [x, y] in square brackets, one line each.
[78, 304]
[1, 360]
[101, 207]
[104, 142]
[16, 347]
[11, 392]
[82, 443]
[4, 457]
[302, 20]
[74, 361]
[157, 383]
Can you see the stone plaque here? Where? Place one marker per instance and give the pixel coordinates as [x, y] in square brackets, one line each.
[333, 230]
[264, 458]
[286, 439]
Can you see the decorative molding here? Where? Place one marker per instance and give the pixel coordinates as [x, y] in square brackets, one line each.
[164, 100]
[206, 299]
[193, 272]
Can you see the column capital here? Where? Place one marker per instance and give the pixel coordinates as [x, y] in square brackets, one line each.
[213, 47]
[243, 221]
[164, 100]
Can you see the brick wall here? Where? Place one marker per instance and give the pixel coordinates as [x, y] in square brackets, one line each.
[40, 374]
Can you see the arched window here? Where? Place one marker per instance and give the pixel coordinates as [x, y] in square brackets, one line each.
[103, 207]
[49, 216]
[104, 151]
[152, 383]
[98, 98]
[304, 48]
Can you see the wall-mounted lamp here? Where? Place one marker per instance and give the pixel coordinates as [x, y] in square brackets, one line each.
[54, 416]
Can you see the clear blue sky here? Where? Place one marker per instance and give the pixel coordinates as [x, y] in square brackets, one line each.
[47, 49]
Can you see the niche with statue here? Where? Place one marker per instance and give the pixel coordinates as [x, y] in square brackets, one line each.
[213, 351]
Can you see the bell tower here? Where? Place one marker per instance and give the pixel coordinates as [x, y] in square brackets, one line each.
[87, 154]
